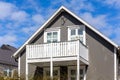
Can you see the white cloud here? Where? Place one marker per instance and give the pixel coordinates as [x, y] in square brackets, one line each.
[81, 4]
[116, 34]
[33, 4]
[29, 30]
[19, 16]
[6, 9]
[111, 3]
[99, 21]
[9, 11]
[38, 19]
[75, 5]
[8, 39]
[115, 3]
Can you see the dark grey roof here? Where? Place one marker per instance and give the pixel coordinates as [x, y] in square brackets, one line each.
[6, 51]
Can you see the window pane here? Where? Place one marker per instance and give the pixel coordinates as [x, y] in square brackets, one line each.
[47, 73]
[73, 78]
[80, 31]
[55, 72]
[81, 78]
[73, 72]
[54, 40]
[55, 35]
[73, 32]
[5, 72]
[49, 41]
[81, 71]
[49, 35]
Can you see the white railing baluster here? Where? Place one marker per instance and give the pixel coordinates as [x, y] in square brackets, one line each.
[57, 50]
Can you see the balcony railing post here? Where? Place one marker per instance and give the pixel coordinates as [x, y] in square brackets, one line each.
[51, 63]
[27, 49]
[78, 61]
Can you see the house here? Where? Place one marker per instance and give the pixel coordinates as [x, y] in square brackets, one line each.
[7, 63]
[68, 48]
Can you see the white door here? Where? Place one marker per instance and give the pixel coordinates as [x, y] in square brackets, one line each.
[72, 73]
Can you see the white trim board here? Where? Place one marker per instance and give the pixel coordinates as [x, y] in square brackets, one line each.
[115, 64]
[62, 8]
[19, 65]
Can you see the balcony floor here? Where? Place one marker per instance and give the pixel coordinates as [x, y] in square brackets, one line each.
[58, 63]
[57, 59]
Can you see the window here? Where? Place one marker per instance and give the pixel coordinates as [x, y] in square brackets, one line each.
[73, 31]
[52, 36]
[80, 31]
[7, 72]
[72, 73]
[76, 32]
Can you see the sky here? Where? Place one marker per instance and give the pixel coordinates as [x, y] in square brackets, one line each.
[19, 19]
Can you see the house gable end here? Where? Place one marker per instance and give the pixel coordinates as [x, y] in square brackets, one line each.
[50, 22]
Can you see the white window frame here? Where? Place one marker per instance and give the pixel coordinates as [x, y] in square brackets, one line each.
[51, 30]
[77, 27]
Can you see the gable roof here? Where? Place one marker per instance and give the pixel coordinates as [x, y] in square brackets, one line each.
[62, 8]
[6, 51]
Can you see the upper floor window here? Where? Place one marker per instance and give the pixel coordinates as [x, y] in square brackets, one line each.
[52, 35]
[76, 32]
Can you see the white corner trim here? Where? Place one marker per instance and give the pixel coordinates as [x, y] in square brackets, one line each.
[19, 65]
[26, 65]
[26, 73]
[51, 67]
[115, 64]
[84, 35]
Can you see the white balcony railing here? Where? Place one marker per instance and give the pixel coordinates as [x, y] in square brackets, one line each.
[60, 49]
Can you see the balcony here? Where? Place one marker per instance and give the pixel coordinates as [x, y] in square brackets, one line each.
[58, 51]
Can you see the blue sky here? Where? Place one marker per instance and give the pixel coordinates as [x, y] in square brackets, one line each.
[19, 19]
